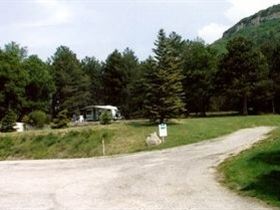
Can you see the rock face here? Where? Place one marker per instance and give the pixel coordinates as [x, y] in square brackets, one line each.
[153, 139]
[262, 16]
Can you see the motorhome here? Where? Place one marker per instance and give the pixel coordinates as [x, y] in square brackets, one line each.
[92, 113]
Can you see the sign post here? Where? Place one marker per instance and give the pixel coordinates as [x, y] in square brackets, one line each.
[162, 130]
[103, 146]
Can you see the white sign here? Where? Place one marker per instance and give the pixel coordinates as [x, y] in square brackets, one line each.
[162, 128]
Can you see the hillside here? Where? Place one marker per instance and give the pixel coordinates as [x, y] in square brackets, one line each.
[261, 27]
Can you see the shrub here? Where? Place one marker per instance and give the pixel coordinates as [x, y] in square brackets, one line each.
[105, 118]
[25, 121]
[37, 119]
[61, 121]
[8, 122]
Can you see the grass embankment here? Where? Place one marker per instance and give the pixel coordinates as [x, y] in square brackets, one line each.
[256, 172]
[123, 137]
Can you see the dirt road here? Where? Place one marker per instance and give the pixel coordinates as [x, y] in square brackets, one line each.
[178, 178]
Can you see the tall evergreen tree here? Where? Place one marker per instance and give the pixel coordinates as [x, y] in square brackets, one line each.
[13, 79]
[200, 63]
[138, 90]
[164, 88]
[131, 68]
[242, 71]
[72, 86]
[274, 75]
[93, 68]
[40, 86]
[16, 51]
[114, 79]
[118, 76]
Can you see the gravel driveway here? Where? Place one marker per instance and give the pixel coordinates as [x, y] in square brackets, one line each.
[178, 178]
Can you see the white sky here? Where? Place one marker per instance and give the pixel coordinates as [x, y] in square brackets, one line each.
[96, 27]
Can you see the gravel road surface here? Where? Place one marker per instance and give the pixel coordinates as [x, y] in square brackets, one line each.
[177, 178]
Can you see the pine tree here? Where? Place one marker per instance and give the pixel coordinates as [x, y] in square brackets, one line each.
[13, 79]
[131, 69]
[72, 86]
[92, 67]
[242, 71]
[164, 90]
[40, 86]
[114, 79]
[200, 65]
[8, 122]
[119, 74]
[271, 49]
[61, 120]
[138, 89]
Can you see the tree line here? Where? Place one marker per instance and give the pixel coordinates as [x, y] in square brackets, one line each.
[181, 77]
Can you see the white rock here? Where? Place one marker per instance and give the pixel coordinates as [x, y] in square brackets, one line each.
[153, 139]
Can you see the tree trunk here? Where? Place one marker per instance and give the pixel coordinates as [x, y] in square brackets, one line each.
[161, 120]
[273, 105]
[245, 105]
[203, 109]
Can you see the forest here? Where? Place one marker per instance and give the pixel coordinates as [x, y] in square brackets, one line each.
[180, 77]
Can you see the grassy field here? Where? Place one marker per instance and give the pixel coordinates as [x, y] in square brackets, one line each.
[122, 137]
[256, 172]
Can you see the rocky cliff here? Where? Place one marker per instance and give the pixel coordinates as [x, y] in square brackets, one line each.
[255, 20]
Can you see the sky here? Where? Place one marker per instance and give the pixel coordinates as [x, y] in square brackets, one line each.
[97, 27]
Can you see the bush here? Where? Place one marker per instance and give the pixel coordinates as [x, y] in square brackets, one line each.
[61, 121]
[37, 119]
[8, 122]
[25, 121]
[105, 118]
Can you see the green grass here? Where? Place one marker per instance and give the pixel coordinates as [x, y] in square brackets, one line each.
[256, 172]
[120, 138]
[53, 145]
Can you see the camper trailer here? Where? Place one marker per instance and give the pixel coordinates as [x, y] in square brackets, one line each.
[92, 113]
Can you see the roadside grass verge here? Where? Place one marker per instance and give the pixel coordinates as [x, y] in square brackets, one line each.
[256, 172]
[120, 138]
